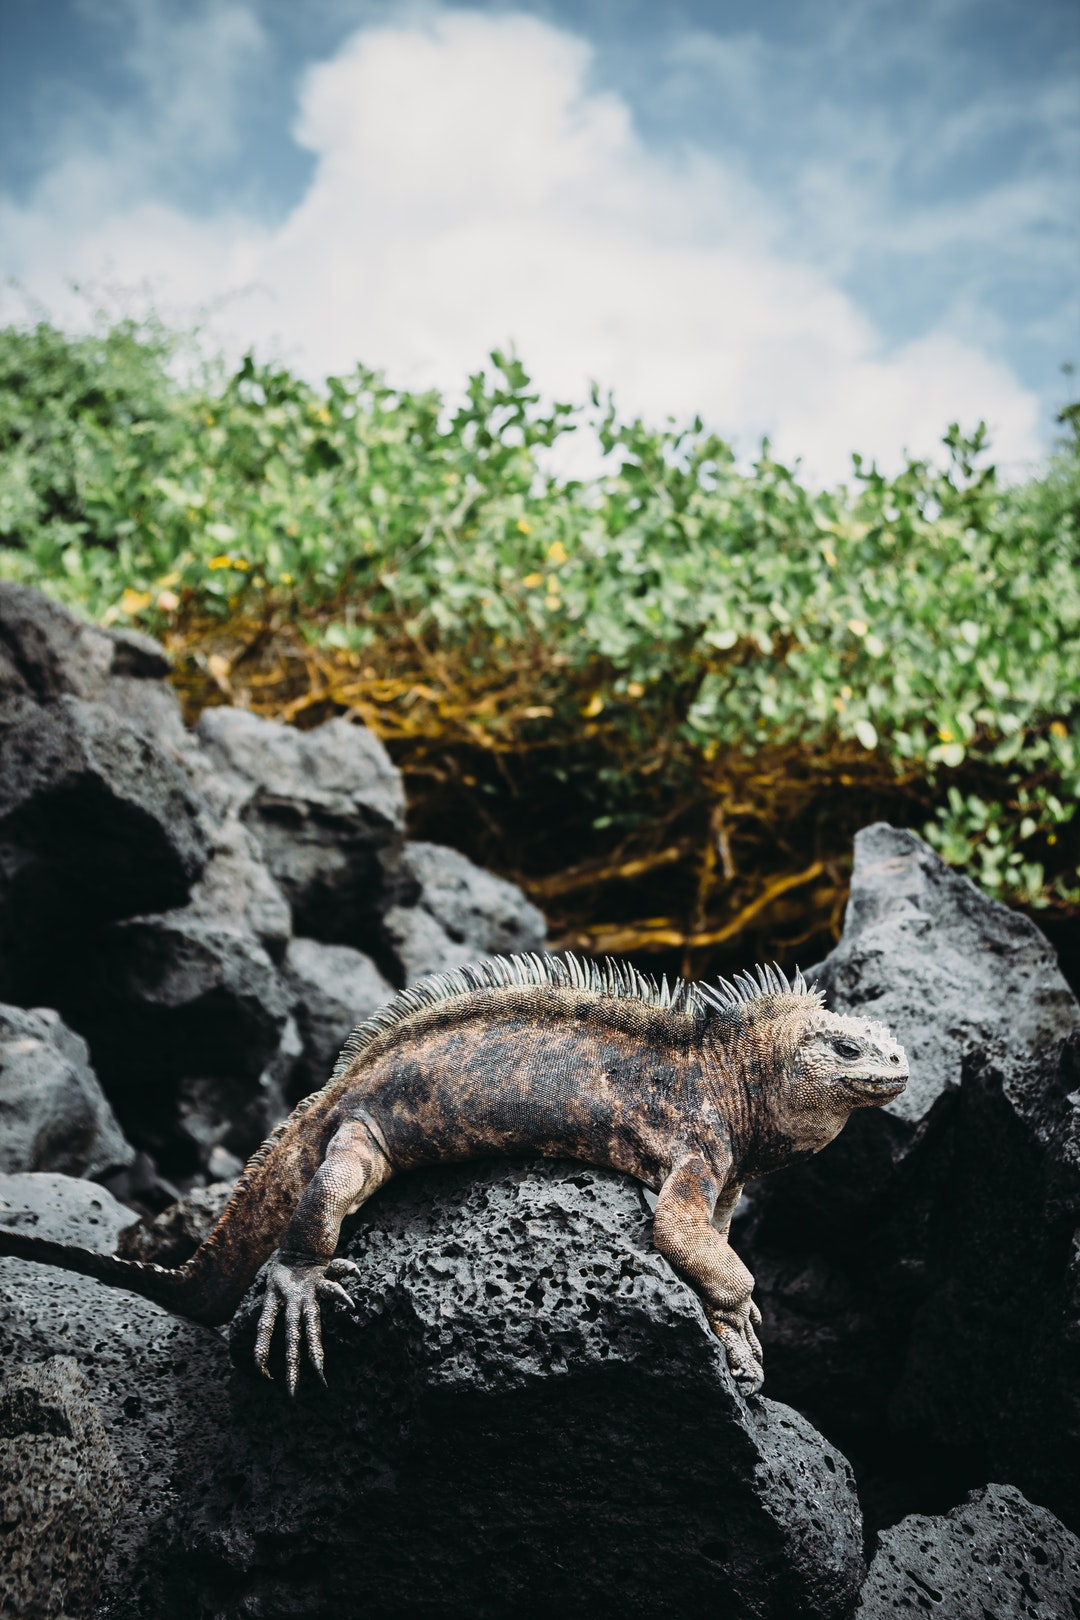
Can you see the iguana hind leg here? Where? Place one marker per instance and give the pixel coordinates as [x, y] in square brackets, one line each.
[684, 1234]
[303, 1273]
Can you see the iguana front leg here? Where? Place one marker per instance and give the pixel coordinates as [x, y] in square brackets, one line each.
[302, 1272]
[684, 1232]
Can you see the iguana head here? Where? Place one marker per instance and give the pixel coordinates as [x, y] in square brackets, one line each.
[805, 1069]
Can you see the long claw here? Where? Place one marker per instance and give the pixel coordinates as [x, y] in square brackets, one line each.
[267, 1318]
[313, 1336]
[342, 1268]
[334, 1291]
[755, 1314]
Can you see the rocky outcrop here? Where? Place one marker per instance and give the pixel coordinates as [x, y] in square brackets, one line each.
[335, 988]
[994, 1557]
[916, 1276]
[157, 1382]
[151, 880]
[462, 914]
[53, 1113]
[61, 1492]
[328, 810]
[527, 1415]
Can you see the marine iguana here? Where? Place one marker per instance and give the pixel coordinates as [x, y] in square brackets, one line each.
[692, 1089]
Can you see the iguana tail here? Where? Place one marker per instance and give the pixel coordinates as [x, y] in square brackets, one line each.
[209, 1286]
[178, 1290]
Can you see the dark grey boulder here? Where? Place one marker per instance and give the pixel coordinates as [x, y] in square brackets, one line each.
[189, 1023]
[46, 652]
[171, 1237]
[334, 988]
[888, 1265]
[995, 1557]
[53, 1112]
[527, 1415]
[948, 969]
[61, 1493]
[237, 891]
[327, 808]
[158, 1382]
[462, 914]
[64, 1208]
[115, 819]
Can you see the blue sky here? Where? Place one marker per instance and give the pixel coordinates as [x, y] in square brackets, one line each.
[841, 224]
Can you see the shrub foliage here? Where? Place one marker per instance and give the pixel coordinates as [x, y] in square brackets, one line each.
[663, 697]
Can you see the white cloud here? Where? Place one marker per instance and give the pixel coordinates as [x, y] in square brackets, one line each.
[471, 190]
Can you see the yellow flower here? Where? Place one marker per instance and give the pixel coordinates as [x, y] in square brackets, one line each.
[557, 553]
[1059, 729]
[635, 689]
[523, 527]
[830, 557]
[532, 581]
[945, 734]
[593, 707]
[858, 627]
[133, 602]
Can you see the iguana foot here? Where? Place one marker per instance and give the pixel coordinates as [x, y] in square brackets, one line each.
[735, 1330]
[299, 1289]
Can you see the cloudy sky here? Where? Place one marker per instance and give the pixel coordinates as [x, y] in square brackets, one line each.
[843, 223]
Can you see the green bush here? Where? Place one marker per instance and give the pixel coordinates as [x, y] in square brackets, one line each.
[920, 633]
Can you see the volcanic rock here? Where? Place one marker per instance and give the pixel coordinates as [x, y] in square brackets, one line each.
[884, 1263]
[53, 1113]
[157, 1381]
[61, 1491]
[327, 808]
[994, 1557]
[335, 988]
[527, 1415]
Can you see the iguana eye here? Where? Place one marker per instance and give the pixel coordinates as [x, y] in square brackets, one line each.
[845, 1048]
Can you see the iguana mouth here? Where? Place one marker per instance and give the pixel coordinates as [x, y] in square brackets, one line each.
[890, 1086]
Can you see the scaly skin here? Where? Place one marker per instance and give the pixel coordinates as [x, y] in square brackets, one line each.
[691, 1092]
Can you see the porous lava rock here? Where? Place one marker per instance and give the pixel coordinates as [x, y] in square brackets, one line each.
[327, 808]
[884, 1264]
[53, 1113]
[462, 914]
[66, 1209]
[172, 1236]
[189, 1022]
[115, 818]
[157, 1381]
[61, 1491]
[994, 1557]
[526, 1415]
[334, 988]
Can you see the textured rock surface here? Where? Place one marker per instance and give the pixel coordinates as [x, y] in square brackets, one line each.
[114, 816]
[188, 1019]
[237, 892]
[170, 1238]
[328, 809]
[63, 1208]
[61, 1491]
[947, 969]
[463, 913]
[883, 1264]
[53, 1113]
[335, 988]
[995, 1557]
[528, 1415]
[158, 1382]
